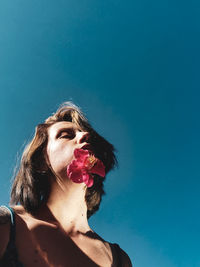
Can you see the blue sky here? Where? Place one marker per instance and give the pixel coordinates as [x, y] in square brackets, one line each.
[133, 67]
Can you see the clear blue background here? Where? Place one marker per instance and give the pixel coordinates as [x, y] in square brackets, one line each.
[133, 67]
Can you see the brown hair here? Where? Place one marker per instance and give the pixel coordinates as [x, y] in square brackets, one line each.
[31, 184]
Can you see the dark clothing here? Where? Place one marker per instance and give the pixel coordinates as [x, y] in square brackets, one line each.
[10, 257]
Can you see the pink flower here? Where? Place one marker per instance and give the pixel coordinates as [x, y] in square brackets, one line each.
[81, 169]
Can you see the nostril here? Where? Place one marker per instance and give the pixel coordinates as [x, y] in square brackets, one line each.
[84, 138]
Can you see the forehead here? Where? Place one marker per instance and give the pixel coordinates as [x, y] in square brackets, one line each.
[53, 129]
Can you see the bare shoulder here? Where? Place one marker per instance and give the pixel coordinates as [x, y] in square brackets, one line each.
[19, 210]
[4, 215]
[4, 229]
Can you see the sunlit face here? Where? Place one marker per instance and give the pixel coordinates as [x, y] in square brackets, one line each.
[63, 138]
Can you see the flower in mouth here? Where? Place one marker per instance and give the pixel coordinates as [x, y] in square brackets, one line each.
[82, 168]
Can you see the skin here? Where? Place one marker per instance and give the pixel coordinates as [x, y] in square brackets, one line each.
[59, 233]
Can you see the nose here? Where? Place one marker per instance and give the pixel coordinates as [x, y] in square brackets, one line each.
[82, 137]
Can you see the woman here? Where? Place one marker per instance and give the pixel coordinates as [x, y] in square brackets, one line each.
[59, 185]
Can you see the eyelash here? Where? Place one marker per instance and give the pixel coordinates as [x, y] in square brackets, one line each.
[66, 135]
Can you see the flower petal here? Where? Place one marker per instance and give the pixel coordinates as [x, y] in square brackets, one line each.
[90, 181]
[81, 168]
[81, 154]
[74, 165]
[98, 168]
[85, 177]
[76, 176]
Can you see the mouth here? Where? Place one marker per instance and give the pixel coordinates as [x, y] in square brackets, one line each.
[87, 147]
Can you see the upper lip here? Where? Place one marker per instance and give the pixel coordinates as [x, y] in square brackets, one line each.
[87, 147]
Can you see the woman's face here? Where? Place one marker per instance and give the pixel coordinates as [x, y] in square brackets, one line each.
[63, 138]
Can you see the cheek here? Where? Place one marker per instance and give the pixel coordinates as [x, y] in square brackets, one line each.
[59, 157]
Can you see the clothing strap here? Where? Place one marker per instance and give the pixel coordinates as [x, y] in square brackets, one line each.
[10, 258]
[11, 253]
[12, 226]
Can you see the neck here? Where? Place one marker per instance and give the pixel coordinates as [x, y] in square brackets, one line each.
[67, 204]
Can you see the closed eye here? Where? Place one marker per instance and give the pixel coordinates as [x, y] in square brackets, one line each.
[69, 133]
[65, 136]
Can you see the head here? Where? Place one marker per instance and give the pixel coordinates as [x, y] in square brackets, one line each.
[32, 182]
